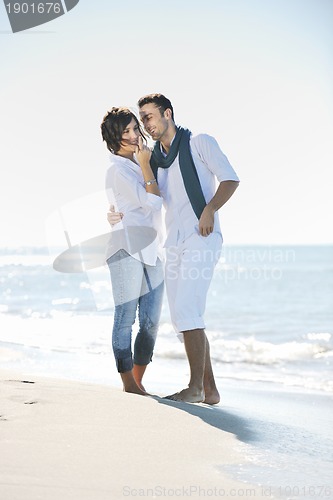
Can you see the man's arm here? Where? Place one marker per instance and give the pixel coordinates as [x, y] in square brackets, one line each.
[225, 190]
[113, 216]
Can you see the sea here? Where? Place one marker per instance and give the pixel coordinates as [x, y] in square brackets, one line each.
[269, 320]
[269, 314]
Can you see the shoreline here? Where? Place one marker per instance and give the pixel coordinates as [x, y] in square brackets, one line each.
[264, 439]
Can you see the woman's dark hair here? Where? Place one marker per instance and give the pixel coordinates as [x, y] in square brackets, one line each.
[160, 102]
[113, 126]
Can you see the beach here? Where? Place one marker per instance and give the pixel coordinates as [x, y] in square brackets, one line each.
[250, 78]
[72, 440]
[69, 432]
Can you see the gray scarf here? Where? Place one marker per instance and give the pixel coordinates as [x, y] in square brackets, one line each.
[181, 145]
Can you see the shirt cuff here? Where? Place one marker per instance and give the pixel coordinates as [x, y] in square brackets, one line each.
[154, 202]
[231, 177]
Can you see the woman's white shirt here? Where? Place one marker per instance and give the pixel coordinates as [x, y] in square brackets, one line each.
[140, 231]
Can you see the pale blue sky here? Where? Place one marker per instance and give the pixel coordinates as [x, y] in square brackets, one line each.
[256, 74]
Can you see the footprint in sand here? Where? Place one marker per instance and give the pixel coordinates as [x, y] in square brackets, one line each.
[18, 398]
[21, 381]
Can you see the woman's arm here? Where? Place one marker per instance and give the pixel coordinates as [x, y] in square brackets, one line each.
[135, 191]
[143, 154]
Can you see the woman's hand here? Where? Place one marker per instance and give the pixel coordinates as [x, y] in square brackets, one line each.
[143, 153]
[113, 216]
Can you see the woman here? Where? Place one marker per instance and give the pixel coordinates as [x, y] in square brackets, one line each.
[134, 257]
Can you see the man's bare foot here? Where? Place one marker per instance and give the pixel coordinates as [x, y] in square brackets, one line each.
[212, 397]
[188, 395]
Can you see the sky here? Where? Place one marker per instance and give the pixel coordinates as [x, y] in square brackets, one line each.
[255, 74]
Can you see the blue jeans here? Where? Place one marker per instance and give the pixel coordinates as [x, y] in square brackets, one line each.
[135, 285]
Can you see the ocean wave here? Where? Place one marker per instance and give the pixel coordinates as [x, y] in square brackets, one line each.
[254, 351]
[82, 331]
[305, 363]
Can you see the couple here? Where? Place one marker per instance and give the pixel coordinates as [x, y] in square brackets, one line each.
[181, 170]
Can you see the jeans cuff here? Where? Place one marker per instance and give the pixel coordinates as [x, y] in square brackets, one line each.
[124, 365]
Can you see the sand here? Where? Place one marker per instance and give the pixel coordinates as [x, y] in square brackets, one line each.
[64, 440]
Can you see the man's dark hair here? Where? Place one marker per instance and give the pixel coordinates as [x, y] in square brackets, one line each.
[113, 126]
[159, 100]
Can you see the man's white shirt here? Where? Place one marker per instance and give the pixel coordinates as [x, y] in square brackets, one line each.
[211, 164]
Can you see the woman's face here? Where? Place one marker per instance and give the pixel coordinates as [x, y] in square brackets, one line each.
[129, 139]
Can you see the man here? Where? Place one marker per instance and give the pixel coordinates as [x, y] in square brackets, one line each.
[186, 168]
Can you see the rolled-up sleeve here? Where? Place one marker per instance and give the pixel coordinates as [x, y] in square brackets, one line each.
[136, 193]
[216, 161]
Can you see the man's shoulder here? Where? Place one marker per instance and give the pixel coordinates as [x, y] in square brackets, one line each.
[198, 138]
[201, 141]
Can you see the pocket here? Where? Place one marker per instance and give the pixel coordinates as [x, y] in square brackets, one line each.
[213, 243]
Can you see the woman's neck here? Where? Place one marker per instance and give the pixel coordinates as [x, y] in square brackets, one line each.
[126, 154]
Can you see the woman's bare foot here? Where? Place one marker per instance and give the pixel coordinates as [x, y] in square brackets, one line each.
[135, 390]
[130, 385]
[141, 386]
[138, 372]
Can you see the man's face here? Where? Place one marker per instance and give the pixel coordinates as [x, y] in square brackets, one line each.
[154, 123]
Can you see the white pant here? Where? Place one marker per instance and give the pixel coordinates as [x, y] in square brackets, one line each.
[189, 270]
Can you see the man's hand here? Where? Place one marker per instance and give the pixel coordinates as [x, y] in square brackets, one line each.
[222, 195]
[206, 222]
[113, 216]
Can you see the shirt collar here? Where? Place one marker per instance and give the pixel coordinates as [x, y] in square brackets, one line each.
[162, 150]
